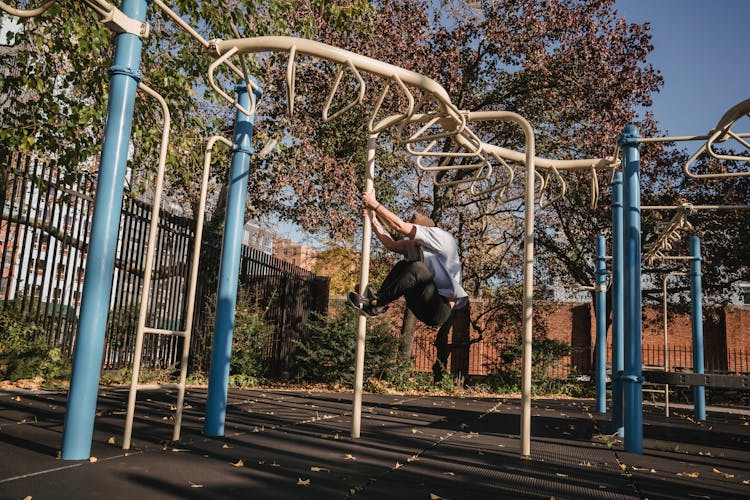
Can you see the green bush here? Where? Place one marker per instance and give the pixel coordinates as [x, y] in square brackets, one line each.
[507, 370]
[250, 345]
[326, 353]
[24, 352]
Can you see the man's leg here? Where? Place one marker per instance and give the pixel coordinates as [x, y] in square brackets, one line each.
[427, 305]
[402, 278]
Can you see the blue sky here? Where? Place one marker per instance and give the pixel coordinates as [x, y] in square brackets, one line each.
[701, 48]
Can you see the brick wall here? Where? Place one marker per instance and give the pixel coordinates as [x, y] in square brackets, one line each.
[726, 336]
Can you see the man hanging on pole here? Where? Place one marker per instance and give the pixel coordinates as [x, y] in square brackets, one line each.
[429, 277]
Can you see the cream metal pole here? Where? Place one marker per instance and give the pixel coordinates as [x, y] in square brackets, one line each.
[364, 274]
[193, 281]
[529, 160]
[666, 331]
[696, 207]
[528, 289]
[148, 265]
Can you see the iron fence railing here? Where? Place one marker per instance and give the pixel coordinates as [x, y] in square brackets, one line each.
[580, 362]
[44, 234]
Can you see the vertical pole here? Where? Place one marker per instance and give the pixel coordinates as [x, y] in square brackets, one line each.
[89, 348]
[618, 304]
[364, 276]
[226, 296]
[528, 290]
[633, 377]
[601, 325]
[699, 391]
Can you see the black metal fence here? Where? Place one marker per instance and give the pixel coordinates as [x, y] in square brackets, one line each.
[44, 234]
[730, 361]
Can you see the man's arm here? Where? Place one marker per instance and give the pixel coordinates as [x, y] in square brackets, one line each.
[389, 218]
[398, 246]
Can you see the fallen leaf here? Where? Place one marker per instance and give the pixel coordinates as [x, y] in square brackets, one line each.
[195, 485]
[560, 474]
[412, 458]
[436, 497]
[726, 476]
[17, 398]
[239, 463]
[349, 456]
[689, 474]
[398, 465]
[29, 497]
[226, 446]
[746, 481]
[92, 459]
[416, 431]
[623, 466]
[21, 421]
[111, 440]
[275, 464]
[303, 482]
[585, 464]
[319, 469]
[180, 450]
[449, 473]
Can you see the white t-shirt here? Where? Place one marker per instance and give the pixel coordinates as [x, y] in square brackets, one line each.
[441, 257]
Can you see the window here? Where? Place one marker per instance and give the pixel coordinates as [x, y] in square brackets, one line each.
[745, 293]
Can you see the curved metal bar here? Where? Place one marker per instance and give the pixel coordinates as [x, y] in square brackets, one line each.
[291, 71]
[393, 119]
[329, 100]
[313, 48]
[212, 83]
[543, 201]
[718, 156]
[26, 12]
[594, 189]
[518, 156]
[433, 118]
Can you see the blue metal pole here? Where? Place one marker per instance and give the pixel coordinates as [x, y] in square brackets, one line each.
[618, 305]
[226, 300]
[633, 377]
[601, 325]
[699, 391]
[89, 347]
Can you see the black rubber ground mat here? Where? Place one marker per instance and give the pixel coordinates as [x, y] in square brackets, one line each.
[285, 444]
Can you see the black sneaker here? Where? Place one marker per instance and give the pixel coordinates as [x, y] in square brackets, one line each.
[370, 293]
[366, 307]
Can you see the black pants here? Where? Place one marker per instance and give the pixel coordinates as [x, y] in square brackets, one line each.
[415, 282]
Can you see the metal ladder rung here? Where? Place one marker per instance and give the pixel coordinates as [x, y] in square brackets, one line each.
[162, 331]
[150, 387]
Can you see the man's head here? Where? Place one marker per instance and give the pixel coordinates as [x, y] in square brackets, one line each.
[421, 220]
